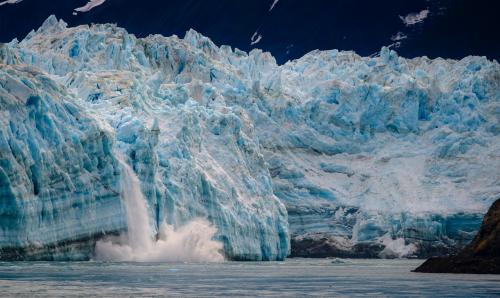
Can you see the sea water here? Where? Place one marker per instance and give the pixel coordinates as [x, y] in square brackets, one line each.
[294, 277]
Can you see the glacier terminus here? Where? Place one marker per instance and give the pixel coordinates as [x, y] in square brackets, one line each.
[331, 154]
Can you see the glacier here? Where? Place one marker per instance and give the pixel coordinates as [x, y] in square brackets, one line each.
[331, 154]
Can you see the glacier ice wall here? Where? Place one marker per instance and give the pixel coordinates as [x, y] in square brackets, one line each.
[192, 161]
[58, 178]
[372, 156]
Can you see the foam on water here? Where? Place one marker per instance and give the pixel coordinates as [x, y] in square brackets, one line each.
[191, 242]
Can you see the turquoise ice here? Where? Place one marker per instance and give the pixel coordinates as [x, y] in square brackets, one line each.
[397, 154]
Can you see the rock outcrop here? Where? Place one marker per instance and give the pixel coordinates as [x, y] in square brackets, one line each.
[482, 255]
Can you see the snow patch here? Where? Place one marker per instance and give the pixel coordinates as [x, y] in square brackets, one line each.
[90, 5]
[10, 2]
[273, 4]
[415, 18]
[399, 36]
[256, 38]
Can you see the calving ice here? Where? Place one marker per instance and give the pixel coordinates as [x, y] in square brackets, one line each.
[192, 242]
[124, 148]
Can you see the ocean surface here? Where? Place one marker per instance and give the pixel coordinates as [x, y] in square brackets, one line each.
[294, 277]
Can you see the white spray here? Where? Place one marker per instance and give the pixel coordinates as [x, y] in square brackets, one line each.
[191, 242]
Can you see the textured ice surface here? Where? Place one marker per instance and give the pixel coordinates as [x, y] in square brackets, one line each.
[397, 155]
[58, 178]
[193, 161]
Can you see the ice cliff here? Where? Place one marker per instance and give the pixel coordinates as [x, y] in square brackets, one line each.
[371, 156]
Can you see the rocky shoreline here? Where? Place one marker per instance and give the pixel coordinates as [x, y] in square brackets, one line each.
[481, 256]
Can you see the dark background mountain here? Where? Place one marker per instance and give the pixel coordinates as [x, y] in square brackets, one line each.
[451, 28]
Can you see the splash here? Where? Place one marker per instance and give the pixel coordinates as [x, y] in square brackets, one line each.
[396, 248]
[192, 242]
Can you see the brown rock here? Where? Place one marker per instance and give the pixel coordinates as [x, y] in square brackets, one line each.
[482, 255]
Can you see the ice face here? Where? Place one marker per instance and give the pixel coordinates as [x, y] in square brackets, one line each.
[380, 152]
[192, 161]
[58, 178]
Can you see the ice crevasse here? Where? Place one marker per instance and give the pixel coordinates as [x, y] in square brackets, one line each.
[331, 154]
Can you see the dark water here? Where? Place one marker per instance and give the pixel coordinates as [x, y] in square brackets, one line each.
[296, 277]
